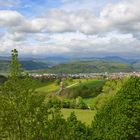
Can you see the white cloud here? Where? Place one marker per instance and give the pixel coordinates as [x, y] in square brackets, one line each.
[9, 18]
[76, 44]
[123, 16]
[114, 30]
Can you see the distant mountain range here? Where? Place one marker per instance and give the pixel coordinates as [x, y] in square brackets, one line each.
[78, 65]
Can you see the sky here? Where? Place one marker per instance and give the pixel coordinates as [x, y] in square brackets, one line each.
[70, 28]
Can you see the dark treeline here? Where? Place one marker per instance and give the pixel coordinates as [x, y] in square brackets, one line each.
[25, 116]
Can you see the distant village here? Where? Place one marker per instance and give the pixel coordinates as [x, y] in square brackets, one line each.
[104, 75]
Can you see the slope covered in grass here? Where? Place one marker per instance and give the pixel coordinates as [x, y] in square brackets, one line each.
[84, 88]
[86, 116]
[73, 88]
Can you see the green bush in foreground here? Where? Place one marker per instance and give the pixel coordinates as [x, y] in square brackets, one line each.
[119, 119]
[24, 116]
[110, 89]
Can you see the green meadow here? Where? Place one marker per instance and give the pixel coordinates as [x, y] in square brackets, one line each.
[48, 87]
[73, 87]
[86, 116]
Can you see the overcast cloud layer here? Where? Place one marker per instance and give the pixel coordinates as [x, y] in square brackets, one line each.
[70, 27]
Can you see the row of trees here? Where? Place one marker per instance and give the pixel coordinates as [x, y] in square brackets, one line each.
[25, 116]
[77, 103]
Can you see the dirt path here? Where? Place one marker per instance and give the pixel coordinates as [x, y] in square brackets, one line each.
[71, 85]
[58, 92]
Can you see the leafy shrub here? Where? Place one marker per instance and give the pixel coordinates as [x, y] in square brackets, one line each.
[120, 117]
[110, 89]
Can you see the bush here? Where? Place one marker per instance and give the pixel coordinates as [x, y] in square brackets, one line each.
[120, 117]
[80, 104]
[110, 89]
[66, 103]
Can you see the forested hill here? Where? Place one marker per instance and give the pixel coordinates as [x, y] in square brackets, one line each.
[28, 65]
[91, 67]
[76, 66]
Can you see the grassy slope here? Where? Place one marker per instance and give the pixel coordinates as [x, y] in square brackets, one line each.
[92, 83]
[85, 116]
[84, 88]
[50, 87]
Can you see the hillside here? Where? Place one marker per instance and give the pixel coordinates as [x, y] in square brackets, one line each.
[27, 65]
[108, 64]
[91, 67]
[136, 65]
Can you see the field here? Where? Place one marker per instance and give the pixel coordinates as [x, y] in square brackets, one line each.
[47, 87]
[85, 116]
[74, 85]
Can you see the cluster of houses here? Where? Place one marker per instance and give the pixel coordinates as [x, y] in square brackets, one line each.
[121, 75]
[106, 75]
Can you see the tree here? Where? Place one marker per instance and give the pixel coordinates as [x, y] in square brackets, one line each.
[120, 117]
[26, 116]
[15, 67]
[109, 90]
[80, 103]
[76, 129]
[22, 114]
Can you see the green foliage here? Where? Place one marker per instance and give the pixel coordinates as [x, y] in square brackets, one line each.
[70, 79]
[15, 67]
[70, 129]
[57, 82]
[68, 103]
[22, 115]
[2, 79]
[26, 116]
[54, 102]
[90, 88]
[77, 103]
[76, 129]
[80, 104]
[120, 117]
[84, 115]
[109, 90]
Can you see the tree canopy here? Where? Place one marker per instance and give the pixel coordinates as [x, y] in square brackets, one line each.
[120, 117]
